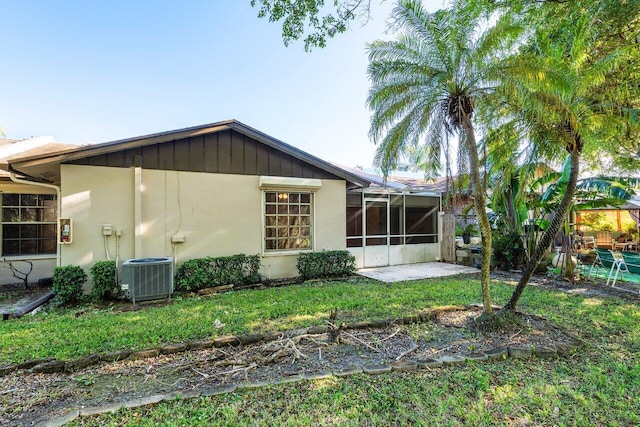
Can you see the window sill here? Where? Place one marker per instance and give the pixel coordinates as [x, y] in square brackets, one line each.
[285, 253]
[27, 257]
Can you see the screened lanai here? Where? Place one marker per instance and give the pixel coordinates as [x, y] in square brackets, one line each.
[388, 226]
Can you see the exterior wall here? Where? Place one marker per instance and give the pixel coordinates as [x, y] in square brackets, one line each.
[92, 197]
[399, 254]
[218, 215]
[42, 264]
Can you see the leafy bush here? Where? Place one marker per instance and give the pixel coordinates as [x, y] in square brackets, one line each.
[508, 250]
[204, 272]
[316, 265]
[67, 283]
[103, 276]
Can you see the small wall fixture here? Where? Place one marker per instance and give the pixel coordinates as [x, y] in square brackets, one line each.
[65, 227]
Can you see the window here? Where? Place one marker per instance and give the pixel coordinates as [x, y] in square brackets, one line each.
[288, 221]
[28, 224]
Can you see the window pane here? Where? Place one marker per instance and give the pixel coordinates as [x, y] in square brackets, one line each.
[421, 220]
[28, 247]
[283, 232]
[396, 240]
[270, 245]
[10, 247]
[47, 246]
[28, 214]
[305, 198]
[294, 210]
[29, 200]
[10, 215]
[48, 231]
[283, 209]
[271, 232]
[305, 210]
[29, 231]
[305, 231]
[10, 200]
[354, 243]
[49, 215]
[376, 218]
[10, 231]
[283, 244]
[294, 198]
[270, 209]
[270, 197]
[354, 221]
[395, 220]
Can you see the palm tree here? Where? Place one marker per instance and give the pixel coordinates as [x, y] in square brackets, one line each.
[426, 86]
[551, 86]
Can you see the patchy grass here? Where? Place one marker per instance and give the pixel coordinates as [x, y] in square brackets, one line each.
[597, 386]
[67, 334]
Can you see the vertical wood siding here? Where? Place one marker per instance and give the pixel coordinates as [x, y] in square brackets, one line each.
[222, 152]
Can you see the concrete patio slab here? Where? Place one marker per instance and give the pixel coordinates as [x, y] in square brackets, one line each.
[426, 270]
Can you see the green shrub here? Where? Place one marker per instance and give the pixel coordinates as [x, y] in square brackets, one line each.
[204, 272]
[103, 276]
[67, 283]
[315, 265]
[508, 250]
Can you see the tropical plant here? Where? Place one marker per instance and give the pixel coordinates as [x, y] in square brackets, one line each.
[426, 86]
[551, 86]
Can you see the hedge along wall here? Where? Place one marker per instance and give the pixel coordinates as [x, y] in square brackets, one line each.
[316, 265]
[201, 273]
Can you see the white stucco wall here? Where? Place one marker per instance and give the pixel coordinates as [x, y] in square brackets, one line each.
[218, 215]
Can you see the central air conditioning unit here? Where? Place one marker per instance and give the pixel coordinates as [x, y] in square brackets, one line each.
[147, 279]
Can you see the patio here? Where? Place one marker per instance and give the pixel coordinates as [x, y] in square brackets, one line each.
[426, 270]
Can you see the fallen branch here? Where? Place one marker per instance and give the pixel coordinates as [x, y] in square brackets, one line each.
[201, 373]
[353, 337]
[392, 335]
[244, 368]
[412, 349]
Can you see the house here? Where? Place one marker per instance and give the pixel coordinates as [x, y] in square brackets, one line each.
[221, 189]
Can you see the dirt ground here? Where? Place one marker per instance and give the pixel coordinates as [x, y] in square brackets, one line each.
[27, 398]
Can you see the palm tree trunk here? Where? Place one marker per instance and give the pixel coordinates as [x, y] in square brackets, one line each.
[550, 233]
[481, 212]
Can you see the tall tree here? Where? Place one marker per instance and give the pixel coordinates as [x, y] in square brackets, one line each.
[554, 86]
[425, 88]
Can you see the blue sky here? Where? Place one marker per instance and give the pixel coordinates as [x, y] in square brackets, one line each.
[97, 71]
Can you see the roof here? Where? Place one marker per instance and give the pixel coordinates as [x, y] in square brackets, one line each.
[16, 149]
[46, 166]
[406, 182]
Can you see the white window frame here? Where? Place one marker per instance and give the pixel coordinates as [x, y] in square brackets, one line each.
[19, 207]
[288, 185]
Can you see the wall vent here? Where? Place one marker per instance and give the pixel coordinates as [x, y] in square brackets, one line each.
[147, 279]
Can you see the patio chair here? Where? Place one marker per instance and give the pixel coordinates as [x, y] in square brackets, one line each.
[631, 264]
[606, 259]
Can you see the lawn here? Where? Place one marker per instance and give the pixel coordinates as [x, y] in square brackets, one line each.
[597, 386]
[68, 334]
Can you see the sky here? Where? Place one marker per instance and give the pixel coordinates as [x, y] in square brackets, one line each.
[98, 71]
